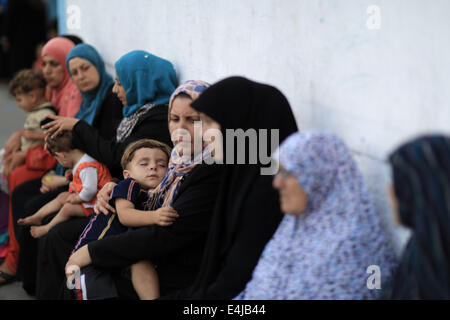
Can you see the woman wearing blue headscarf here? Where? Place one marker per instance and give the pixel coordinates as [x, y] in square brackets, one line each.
[144, 84]
[421, 198]
[100, 111]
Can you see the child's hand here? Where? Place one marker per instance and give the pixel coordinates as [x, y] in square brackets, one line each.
[28, 134]
[51, 182]
[68, 175]
[103, 196]
[69, 198]
[165, 216]
[73, 198]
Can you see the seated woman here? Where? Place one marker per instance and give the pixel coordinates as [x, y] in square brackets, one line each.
[241, 223]
[100, 108]
[330, 234]
[190, 187]
[66, 99]
[421, 193]
[144, 84]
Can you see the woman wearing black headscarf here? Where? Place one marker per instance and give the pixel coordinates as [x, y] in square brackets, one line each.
[421, 192]
[247, 211]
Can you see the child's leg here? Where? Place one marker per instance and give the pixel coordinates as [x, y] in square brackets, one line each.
[67, 211]
[52, 206]
[145, 280]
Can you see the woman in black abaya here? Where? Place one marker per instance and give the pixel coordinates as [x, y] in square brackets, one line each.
[247, 211]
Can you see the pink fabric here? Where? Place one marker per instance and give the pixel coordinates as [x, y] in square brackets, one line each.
[67, 98]
[3, 252]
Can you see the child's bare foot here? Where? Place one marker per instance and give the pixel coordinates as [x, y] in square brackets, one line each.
[33, 220]
[38, 232]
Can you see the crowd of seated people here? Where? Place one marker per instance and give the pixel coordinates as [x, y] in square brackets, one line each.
[110, 195]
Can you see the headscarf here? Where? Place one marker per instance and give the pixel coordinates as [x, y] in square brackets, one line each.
[146, 78]
[66, 98]
[93, 99]
[178, 167]
[238, 103]
[75, 39]
[324, 252]
[421, 178]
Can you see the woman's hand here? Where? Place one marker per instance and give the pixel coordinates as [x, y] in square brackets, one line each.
[14, 143]
[79, 259]
[51, 182]
[102, 205]
[59, 124]
[18, 159]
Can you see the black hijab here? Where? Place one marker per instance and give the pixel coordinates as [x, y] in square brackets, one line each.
[238, 103]
[421, 176]
[76, 40]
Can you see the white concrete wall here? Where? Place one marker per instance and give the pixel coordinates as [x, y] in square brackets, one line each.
[373, 87]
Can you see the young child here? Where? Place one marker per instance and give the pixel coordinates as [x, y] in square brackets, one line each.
[28, 88]
[144, 165]
[89, 176]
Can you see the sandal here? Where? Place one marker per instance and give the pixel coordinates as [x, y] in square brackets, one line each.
[8, 278]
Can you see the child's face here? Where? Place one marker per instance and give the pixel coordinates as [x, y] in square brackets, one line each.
[26, 101]
[148, 167]
[64, 159]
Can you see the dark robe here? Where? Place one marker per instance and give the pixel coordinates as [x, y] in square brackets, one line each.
[247, 211]
[56, 246]
[176, 250]
[27, 199]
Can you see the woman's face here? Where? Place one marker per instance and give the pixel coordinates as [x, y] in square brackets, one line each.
[53, 72]
[183, 116]
[394, 204]
[84, 74]
[120, 92]
[293, 198]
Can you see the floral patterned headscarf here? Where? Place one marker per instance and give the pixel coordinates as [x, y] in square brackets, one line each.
[323, 253]
[178, 167]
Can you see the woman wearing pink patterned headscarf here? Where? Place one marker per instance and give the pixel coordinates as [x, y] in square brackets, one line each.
[65, 96]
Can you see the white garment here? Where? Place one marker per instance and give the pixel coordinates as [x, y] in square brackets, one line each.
[88, 177]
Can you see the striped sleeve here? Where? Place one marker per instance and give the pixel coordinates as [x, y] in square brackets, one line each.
[127, 189]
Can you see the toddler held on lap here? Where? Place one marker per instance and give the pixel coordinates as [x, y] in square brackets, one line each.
[144, 164]
[28, 89]
[89, 176]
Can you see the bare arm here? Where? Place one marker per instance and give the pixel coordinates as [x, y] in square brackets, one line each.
[34, 135]
[131, 217]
